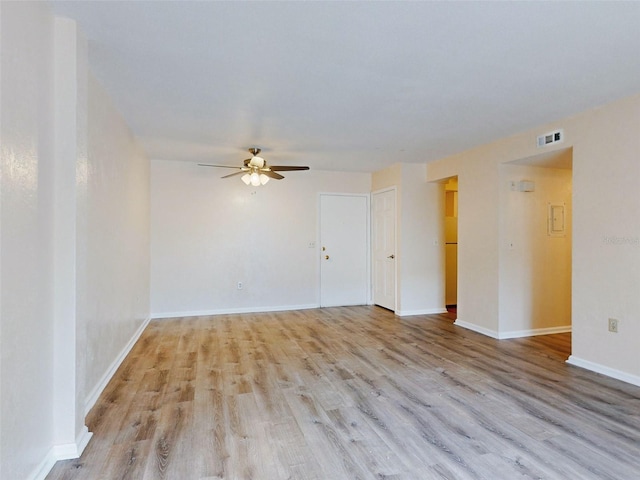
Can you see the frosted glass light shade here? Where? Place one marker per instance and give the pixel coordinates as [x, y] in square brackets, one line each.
[263, 179]
[246, 178]
[255, 179]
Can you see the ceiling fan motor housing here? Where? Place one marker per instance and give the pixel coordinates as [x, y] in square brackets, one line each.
[256, 162]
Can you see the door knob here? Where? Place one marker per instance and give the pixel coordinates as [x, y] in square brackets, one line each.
[326, 257]
[392, 256]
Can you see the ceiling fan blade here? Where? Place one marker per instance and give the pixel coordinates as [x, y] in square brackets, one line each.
[218, 166]
[234, 174]
[286, 168]
[272, 174]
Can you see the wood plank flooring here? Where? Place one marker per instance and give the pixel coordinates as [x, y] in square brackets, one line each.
[354, 393]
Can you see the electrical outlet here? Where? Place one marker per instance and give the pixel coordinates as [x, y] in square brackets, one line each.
[240, 285]
[613, 325]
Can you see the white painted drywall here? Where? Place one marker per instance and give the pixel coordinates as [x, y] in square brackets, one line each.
[605, 232]
[208, 234]
[26, 322]
[70, 144]
[113, 239]
[74, 238]
[422, 261]
[606, 238]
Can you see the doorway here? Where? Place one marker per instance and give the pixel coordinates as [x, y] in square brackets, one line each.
[344, 250]
[451, 245]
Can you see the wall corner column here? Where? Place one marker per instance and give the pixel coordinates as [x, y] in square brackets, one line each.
[70, 139]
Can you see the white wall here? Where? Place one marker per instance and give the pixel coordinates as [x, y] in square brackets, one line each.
[420, 238]
[422, 260]
[209, 233]
[535, 268]
[74, 239]
[606, 239]
[114, 242]
[70, 145]
[606, 232]
[26, 322]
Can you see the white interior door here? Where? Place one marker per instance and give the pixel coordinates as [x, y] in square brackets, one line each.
[344, 249]
[384, 249]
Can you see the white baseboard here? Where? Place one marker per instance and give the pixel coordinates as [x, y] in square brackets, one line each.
[534, 332]
[61, 452]
[43, 469]
[92, 397]
[427, 311]
[609, 372]
[73, 450]
[231, 311]
[477, 328]
[514, 333]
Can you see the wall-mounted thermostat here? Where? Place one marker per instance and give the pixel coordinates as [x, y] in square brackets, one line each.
[526, 186]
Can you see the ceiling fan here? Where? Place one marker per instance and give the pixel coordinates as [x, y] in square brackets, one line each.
[255, 170]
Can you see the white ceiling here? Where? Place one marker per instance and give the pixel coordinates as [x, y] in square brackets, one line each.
[353, 86]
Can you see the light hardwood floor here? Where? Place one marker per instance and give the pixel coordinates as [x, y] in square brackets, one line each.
[355, 393]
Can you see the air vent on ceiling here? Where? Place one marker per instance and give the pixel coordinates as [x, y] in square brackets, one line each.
[550, 138]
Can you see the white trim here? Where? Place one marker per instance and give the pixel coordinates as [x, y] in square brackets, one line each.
[73, 450]
[227, 311]
[476, 328]
[61, 452]
[386, 189]
[514, 333]
[609, 372]
[427, 311]
[43, 469]
[534, 332]
[92, 398]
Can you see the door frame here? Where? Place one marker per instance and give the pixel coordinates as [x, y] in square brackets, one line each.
[367, 197]
[394, 189]
[444, 216]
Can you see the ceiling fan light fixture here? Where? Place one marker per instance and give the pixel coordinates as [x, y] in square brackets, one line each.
[255, 179]
[255, 171]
